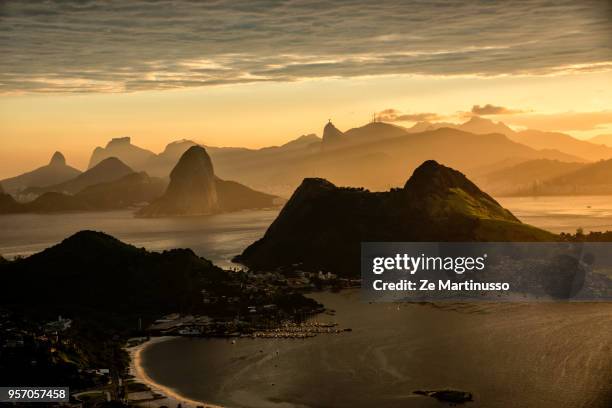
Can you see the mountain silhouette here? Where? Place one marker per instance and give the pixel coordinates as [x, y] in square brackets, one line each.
[321, 226]
[93, 273]
[376, 155]
[123, 149]
[484, 126]
[57, 171]
[107, 170]
[161, 165]
[131, 190]
[195, 190]
[524, 175]
[588, 179]
[332, 137]
[192, 189]
[560, 141]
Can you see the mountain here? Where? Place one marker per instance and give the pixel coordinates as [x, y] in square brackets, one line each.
[590, 150]
[192, 189]
[131, 190]
[589, 179]
[91, 273]
[376, 161]
[57, 171]
[422, 126]
[376, 155]
[483, 126]
[602, 140]
[195, 190]
[161, 165]
[123, 149]
[371, 132]
[560, 141]
[524, 175]
[476, 124]
[332, 137]
[381, 164]
[107, 170]
[303, 141]
[321, 226]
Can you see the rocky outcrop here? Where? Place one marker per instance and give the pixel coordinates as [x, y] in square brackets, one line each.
[192, 189]
[195, 190]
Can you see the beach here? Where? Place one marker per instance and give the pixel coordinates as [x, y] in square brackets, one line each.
[165, 395]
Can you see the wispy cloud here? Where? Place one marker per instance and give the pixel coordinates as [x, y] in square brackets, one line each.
[119, 46]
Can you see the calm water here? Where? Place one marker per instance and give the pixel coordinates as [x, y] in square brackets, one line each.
[542, 355]
[563, 214]
[219, 237]
[215, 237]
[521, 355]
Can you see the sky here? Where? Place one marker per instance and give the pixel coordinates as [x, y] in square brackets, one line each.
[255, 73]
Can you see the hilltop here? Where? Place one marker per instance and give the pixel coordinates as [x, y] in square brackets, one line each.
[321, 226]
[57, 171]
[109, 169]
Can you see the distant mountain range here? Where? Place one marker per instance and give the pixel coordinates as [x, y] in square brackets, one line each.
[585, 150]
[111, 185]
[524, 176]
[57, 171]
[587, 179]
[376, 156]
[107, 170]
[321, 226]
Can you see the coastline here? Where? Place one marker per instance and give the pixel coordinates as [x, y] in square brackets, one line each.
[171, 398]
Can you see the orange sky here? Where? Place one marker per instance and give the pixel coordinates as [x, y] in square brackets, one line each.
[256, 115]
[261, 73]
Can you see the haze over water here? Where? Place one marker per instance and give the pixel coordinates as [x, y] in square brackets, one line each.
[220, 237]
[217, 237]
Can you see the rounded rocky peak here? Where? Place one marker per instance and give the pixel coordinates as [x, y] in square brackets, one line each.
[434, 177]
[57, 159]
[195, 161]
[316, 182]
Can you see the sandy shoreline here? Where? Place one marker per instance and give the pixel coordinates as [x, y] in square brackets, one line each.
[171, 397]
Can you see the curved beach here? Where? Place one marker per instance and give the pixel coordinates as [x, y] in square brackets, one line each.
[171, 398]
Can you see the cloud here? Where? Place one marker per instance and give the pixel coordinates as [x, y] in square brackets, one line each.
[119, 46]
[393, 115]
[489, 109]
[567, 121]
